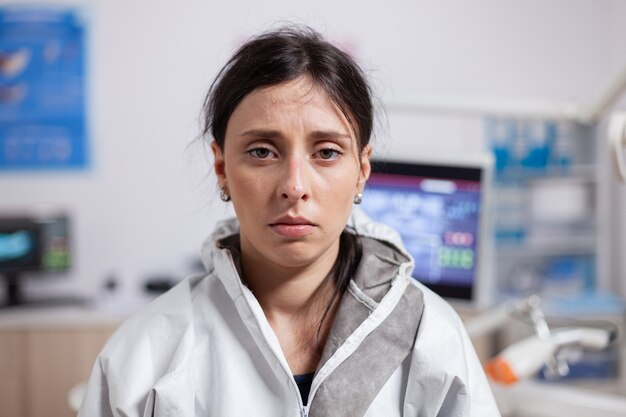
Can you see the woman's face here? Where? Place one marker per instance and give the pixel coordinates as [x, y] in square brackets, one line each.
[292, 167]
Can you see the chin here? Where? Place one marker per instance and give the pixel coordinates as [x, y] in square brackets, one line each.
[294, 258]
[296, 254]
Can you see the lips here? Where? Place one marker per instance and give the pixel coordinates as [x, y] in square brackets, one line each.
[292, 226]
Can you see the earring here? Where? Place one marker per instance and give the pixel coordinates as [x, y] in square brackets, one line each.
[224, 196]
[358, 198]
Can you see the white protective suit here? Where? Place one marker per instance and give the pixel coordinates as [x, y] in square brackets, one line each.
[205, 348]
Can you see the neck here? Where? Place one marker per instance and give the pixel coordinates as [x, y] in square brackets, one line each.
[288, 291]
[295, 300]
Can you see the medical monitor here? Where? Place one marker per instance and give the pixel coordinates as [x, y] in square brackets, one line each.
[32, 245]
[438, 206]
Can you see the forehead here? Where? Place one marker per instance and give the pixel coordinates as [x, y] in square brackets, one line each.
[298, 92]
[297, 101]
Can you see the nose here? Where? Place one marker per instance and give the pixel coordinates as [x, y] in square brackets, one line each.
[294, 184]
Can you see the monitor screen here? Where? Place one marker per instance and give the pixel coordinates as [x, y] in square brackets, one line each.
[34, 244]
[436, 209]
[20, 245]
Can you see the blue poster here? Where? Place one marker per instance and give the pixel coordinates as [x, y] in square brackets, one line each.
[42, 89]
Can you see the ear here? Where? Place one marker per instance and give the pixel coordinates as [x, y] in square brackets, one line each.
[366, 167]
[219, 165]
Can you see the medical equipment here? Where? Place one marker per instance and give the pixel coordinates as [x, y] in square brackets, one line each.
[528, 356]
[33, 242]
[439, 205]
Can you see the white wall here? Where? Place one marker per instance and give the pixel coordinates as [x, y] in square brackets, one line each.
[146, 204]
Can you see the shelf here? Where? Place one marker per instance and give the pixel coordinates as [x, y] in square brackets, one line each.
[559, 246]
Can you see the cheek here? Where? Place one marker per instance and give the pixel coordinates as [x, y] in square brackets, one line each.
[247, 189]
[338, 193]
[241, 179]
[343, 181]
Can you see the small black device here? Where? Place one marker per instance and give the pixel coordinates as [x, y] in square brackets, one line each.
[32, 244]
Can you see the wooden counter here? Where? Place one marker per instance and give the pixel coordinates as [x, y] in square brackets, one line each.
[44, 353]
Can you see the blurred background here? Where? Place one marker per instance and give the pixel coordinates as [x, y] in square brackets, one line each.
[99, 142]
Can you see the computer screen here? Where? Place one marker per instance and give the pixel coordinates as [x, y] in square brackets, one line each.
[438, 209]
[28, 244]
[31, 244]
[20, 245]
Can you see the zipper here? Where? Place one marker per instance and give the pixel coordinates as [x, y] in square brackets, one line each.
[304, 409]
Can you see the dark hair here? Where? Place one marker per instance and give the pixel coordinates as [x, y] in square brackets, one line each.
[284, 55]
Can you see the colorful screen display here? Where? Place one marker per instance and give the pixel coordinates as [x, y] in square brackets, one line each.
[28, 244]
[436, 211]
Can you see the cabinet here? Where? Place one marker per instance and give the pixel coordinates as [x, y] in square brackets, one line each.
[546, 208]
[43, 354]
[12, 374]
[551, 235]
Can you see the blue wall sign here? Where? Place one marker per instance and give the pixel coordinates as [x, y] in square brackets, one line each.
[42, 89]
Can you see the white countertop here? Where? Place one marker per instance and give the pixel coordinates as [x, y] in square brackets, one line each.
[109, 312]
[55, 318]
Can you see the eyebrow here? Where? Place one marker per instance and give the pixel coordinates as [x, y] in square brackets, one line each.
[262, 133]
[329, 134]
[316, 134]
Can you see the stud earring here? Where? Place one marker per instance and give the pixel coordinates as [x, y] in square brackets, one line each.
[358, 198]
[223, 195]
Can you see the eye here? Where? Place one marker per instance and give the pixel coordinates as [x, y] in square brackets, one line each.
[260, 153]
[328, 153]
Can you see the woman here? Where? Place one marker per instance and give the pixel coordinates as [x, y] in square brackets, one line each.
[305, 308]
